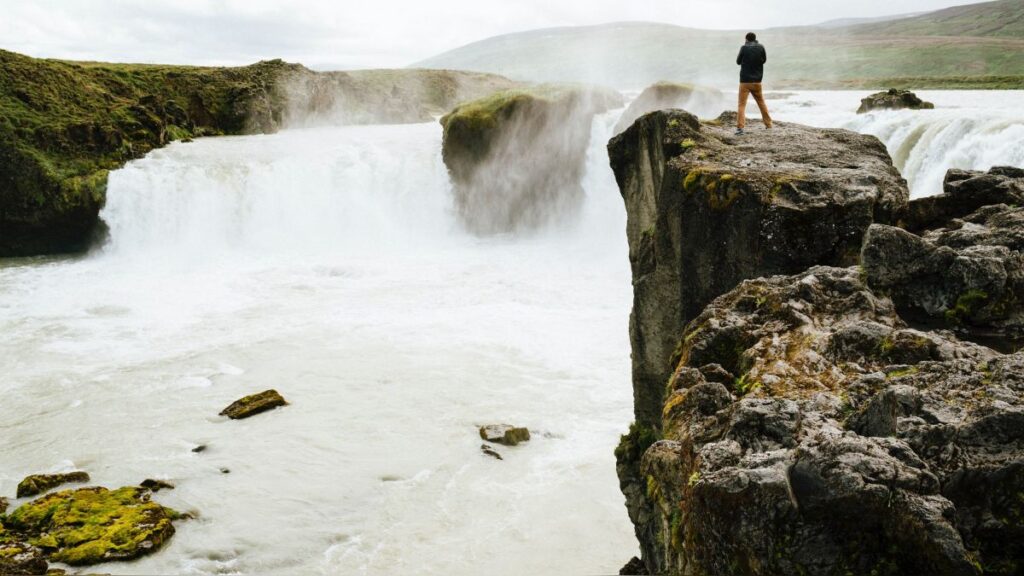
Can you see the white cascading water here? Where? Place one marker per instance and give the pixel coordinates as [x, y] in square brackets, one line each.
[327, 263]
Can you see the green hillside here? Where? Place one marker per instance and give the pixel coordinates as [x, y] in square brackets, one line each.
[974, 46]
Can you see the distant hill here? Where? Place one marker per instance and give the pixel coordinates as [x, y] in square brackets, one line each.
[980, 45]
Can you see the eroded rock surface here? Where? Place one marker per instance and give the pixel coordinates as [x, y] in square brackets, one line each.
[698, 100]
[810, 431]
[38, 483]
[254, 404]
[516, 158]
[893, 99]
[968, 271]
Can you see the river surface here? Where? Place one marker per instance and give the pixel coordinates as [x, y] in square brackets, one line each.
[327, 263]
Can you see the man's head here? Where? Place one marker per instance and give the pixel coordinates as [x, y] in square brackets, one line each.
[751, 37]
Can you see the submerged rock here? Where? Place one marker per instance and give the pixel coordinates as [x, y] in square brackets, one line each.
[504, 434]
[516, 158]
[664, 95]
[893, 99]
[490, 451]
[93, 525]
[968, 274]
[254, 404]
[156, 485]
[846, 442]
[39, 483]
[707, 210]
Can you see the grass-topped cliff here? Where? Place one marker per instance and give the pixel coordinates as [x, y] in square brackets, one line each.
[64, 125]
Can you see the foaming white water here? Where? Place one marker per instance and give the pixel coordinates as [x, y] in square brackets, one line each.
[972, 130]
[327, 264]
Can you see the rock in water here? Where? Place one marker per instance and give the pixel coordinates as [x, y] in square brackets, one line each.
[38, 483]
[707, 210]
[3, 504]
[156, 485]
[845, 442]
[504, 434]
[635, 567]
[516, 158]
[665, 95]
[17, 558]
[93, 525]
[893, 100]
[490, 451]
[254, 404]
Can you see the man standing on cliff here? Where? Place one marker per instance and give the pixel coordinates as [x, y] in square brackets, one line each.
[751, 61]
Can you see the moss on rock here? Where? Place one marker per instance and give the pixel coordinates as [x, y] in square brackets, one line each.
[92, 525]
[38, 483]
[254, 404]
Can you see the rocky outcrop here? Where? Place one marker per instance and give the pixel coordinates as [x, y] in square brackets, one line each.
[516, 158]
[698, 100]
[86, 526]
[254, 404]
[38, 483]
[17, 558]
[504, 434]
[893, 99]
[64, 125]
[789, 419]
[707, 210]
[968, 271]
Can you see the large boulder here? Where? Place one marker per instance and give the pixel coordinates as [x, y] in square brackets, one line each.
[707, 210]
[91, 525]
[967, 272]
[516, 158]
[699, 100]
[893, 99]
[963, 192]
[808, 430]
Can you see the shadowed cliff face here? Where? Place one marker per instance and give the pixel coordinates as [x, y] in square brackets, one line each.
[517, 158]
[788, 420]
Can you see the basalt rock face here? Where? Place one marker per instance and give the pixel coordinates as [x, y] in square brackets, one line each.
[707, 210]
[517, 158]
[699, 100]
[967, 269]
[808, 430]
[893, 99]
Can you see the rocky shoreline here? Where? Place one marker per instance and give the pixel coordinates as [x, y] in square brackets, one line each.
[789, 419]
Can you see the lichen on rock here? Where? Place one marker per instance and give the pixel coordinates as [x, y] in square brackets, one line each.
[93, 525]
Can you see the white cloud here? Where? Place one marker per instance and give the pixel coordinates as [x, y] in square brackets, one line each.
[361, 33]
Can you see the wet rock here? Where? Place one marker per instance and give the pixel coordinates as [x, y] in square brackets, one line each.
[516, 158]
[225, 471]
[490, 451]
[635, 567]
[254, 404]
[847, 443]
[156, 485]
[93, 525]
[38, 483]
[504, 434]
[707, 210]
[665, 95]
[964, 192]
[17, 558]
[199, 448]
[893, 99]
[968, 275]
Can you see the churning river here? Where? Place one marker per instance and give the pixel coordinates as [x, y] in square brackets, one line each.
[327, 263]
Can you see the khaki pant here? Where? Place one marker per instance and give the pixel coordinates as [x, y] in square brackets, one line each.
[752, 88]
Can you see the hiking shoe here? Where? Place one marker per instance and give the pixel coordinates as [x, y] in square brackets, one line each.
[740, 132]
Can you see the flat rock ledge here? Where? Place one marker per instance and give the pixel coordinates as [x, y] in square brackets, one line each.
[254, 404]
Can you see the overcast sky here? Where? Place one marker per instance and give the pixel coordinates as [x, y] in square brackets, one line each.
[362, 33]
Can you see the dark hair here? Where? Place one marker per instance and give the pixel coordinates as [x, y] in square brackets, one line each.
[751, 37]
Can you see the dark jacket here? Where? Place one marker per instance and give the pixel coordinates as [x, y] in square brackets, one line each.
[751, 60]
